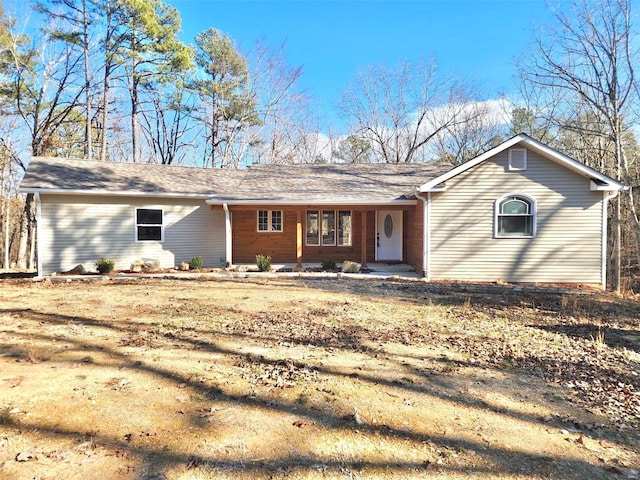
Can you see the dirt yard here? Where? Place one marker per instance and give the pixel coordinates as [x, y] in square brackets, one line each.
[230, 379]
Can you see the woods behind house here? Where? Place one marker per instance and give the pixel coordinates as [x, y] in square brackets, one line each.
[114, 80]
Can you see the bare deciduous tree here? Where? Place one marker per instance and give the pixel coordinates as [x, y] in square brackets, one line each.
[284, 111]
[167, 124]
[588, 57]
[480, 128]
[402, 110]
[73, 26]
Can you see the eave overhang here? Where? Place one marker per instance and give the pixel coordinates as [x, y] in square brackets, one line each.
[111, 193]
[598, 186]
[354, 202]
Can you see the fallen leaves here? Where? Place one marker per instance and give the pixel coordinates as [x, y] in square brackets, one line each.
[119, 384]
[301, 423]
[130, 437]
[194, 462]
[278, 374]
[238, 363]
[600, 378]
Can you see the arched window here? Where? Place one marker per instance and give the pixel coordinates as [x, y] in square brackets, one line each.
[515, 216]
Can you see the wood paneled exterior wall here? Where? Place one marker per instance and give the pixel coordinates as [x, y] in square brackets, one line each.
[413, 230]
[282, 246]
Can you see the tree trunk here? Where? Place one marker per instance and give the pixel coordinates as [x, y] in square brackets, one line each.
[213, 131]
[134, 122]
[7, 227]
[134, 99]
[87, 84]
[615, 284]
[105, 113]
[6, 212]
[106, 82]
[633, 211]
[23, 244]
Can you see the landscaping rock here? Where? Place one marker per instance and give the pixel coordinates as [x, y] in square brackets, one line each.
[145, 265]
[350, 267]
[77, 270]
[184, 266]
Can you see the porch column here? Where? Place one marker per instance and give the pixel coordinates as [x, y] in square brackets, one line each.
[228, 235]
[299, 240]
[363, 256]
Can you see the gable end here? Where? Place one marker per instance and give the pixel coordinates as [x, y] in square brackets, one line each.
[524, 142]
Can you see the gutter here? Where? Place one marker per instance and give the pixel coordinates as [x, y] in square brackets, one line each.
[350, 202]
[111, 193]
[426, 234]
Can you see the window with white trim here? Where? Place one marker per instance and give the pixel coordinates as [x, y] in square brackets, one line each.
[515, 216]
[517, 159]
[328, 228]
[149, 225]
[269, 220]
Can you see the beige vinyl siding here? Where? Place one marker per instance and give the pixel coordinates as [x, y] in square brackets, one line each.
[80, 229]
[566, 248]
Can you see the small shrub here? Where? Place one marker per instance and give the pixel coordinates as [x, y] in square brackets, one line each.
[263, 262]
[196, 263]
[328, 263]
[105, 265]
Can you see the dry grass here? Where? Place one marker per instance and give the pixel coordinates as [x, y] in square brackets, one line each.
[316, 379]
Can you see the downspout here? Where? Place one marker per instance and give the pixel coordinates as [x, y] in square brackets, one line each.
[426, 235]
[38, 237]
[603, 256]
[227, 236]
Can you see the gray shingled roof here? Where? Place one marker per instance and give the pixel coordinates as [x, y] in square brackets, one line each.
[48, 173]
[260, 183]
[332, 182]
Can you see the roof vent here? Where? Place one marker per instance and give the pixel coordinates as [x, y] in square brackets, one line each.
[517, 159]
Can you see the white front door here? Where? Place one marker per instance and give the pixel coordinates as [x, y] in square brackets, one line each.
[389, 235]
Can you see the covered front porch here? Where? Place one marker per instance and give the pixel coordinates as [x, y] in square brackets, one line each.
[302, 236]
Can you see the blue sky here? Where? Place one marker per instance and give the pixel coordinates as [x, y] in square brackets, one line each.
[334, 39]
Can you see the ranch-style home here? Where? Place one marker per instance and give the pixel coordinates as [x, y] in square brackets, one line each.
[521, 212]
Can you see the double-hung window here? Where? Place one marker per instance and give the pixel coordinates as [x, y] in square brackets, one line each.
[515, 216]
[328, 228]
[269, 220]
[149, 224]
